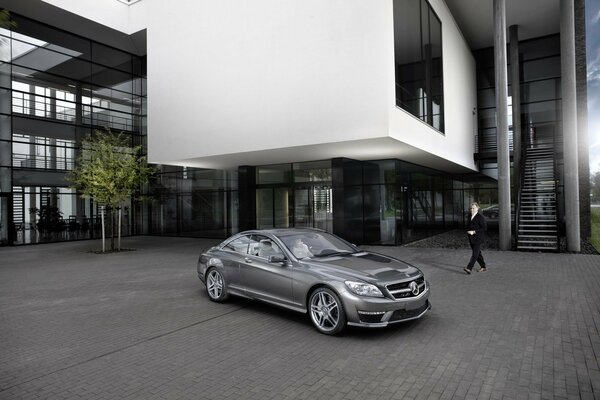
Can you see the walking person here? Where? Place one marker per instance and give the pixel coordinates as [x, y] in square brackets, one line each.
[475, 232]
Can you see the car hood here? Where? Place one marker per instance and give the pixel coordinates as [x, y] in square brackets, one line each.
[367, 266]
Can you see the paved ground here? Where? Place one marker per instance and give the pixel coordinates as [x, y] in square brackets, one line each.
[138, 325]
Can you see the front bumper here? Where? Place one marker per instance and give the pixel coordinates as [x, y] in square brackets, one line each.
[376, 312]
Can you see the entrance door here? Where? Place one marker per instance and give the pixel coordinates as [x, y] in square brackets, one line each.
[313, 207]
[272, 208]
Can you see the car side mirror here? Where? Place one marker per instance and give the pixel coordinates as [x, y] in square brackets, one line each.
[276, 258]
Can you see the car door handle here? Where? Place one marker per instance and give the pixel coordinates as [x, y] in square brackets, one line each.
[248, 260]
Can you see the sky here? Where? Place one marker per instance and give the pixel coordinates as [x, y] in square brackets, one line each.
[592, 16]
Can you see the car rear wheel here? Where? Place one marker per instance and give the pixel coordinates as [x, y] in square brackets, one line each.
[327, 311]
[215, 285]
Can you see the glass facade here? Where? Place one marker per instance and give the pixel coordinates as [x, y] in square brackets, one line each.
[540, 93]
[56, 88]
[193, 202]
[540, 104]
[418, 58]
[385, 202]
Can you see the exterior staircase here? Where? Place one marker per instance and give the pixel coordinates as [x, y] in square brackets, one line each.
[537, 213]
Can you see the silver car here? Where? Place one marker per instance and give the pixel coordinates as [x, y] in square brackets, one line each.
[309, 270]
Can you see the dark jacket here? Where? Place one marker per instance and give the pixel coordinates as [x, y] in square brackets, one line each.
[477, 224]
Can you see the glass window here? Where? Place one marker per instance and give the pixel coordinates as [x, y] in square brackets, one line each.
[418, 58]
[379, 171]
[262, 246]
[264, 208]
[315, 171]
[486, 98]
[239, 245]
[269, 174]
[111, 57]
[541, 91]
[541, 69]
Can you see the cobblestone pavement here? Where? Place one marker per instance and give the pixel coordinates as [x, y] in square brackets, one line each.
[138, 325]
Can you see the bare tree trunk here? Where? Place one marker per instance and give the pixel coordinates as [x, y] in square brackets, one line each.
[112, 229]
[102, 209]
[119, 228]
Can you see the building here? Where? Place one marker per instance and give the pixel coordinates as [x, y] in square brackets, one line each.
[377, 120]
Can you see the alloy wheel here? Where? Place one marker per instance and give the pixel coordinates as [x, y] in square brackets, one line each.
[326, 311]
[215, 285]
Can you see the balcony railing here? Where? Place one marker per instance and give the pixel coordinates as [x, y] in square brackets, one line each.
[43, 162]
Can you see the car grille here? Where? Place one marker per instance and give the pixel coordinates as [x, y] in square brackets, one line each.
[399, 315]
[402, 290]
[370, 319]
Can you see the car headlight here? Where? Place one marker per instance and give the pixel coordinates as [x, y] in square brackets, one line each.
[364, 289]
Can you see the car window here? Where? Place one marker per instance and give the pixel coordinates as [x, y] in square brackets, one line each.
[262, 246]
[239, 245]
[316, 244]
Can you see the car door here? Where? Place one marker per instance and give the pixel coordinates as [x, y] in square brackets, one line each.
[263, 280]
[234, 255]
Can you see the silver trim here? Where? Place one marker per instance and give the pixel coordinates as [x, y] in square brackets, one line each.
[384, 324]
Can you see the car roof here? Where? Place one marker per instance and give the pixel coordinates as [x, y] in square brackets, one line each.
[282, 231]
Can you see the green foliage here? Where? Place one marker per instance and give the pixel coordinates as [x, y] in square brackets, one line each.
[595, 239]
[5, 21]
[109, 170]
[595, 187]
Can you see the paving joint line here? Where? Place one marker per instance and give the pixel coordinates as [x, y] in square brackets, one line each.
[121, 349]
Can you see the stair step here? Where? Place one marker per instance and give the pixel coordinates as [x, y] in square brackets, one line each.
[535, 236]
[540, 243]
[548, 231]
[537, 247]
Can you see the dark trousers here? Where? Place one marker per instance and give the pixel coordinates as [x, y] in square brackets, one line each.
[476, 256]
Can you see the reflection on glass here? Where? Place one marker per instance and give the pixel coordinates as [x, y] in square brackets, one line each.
[323, 208]
[268, 174]
[418, 57]
[264, 208]
[315, 171]
[281, 208]
[303, 208]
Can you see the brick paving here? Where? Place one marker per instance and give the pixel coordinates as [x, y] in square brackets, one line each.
[138, 325]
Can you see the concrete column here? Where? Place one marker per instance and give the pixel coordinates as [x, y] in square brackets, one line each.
[504, 219]
[515, 91]
[569, 118]
[582, 121]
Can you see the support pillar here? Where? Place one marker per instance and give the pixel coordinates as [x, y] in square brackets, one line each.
[504, 218]
[569, 119]
[515, 92]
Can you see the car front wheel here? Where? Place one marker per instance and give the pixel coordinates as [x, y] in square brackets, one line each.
[327, 311]
[215, 285]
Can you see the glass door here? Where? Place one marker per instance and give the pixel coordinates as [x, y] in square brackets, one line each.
[323, 208]
[272, 208]
[303, 214]
[313, 208]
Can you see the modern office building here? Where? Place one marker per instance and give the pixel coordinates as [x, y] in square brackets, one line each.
[379, 121]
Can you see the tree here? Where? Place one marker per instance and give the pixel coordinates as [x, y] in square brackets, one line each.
[595, 186]
[110, 172]
[5, 21]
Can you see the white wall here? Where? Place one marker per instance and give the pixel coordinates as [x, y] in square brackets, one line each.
[228, 79]
[231, 76]
[457, 143]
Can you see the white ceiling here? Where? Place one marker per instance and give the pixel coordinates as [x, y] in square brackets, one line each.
[475, 18]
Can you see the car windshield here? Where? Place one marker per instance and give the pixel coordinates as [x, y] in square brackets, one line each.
[316, 244]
